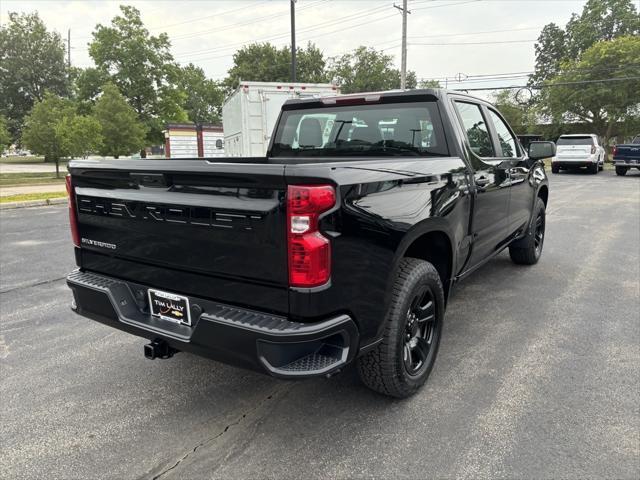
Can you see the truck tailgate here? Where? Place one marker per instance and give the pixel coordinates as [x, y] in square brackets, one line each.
[186, 225]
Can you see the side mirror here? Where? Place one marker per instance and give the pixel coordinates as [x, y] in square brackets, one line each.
[541, 150]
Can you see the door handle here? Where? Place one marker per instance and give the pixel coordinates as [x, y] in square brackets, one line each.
[482, 181]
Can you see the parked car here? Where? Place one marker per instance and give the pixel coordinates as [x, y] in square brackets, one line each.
[627, 156]
[576, 151]
[342, 244]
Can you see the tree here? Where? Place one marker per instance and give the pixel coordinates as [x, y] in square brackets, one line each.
[31, 63]
[122, 132]
[599, 20]
[429, 84]
[365, 70]
[87, 86]
[79, 135]
[142, 68]
[603, 104]
[520, 116]
[5, 136]
[39, 132]
[265, 62]
[550, 50]
[204, 97]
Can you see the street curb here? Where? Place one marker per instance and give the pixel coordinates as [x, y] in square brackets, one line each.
[33, 203]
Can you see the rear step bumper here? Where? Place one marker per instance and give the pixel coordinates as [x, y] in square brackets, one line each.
[246, 338]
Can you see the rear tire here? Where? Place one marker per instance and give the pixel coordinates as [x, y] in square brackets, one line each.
[555, 168]
[621, 171]
[528, 250]
[593, 168]
[402, 362]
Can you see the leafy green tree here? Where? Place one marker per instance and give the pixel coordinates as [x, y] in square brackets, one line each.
[122, 132]
[5, 136]
[365, 70]
[520, 116]
[87, 86]
[429, 84]
[142, 68]
[203, 96]
[550, 50]
[558, 50]
[599, 20]
[31, 63]
[79, 135]
[606, 106]
[267, 63]
[39, 132]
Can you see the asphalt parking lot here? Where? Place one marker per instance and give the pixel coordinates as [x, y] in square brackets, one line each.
[538, 373]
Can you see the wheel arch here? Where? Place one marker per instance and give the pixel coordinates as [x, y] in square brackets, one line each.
[432, 242]
[543, 193]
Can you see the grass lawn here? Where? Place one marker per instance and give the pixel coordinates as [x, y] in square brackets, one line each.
[37, 178]
[32, 196]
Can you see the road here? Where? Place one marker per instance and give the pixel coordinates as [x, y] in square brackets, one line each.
[537, 375]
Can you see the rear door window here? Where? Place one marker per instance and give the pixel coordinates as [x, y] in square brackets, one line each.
[575, 141]
[476, 129]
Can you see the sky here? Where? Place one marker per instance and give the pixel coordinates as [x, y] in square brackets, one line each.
[447, 39]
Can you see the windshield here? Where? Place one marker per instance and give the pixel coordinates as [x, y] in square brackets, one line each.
[575, 141]
[407, 129]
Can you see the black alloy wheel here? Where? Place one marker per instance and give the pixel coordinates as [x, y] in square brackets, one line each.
[420, 331]
[538, 235]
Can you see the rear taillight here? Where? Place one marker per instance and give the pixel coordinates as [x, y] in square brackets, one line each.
[615, 150]
[309, 250]
[593, 149]
[73, 216]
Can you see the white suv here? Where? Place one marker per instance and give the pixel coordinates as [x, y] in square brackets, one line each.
[575, 151]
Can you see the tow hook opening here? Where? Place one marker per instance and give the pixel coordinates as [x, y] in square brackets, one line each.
[159, 349]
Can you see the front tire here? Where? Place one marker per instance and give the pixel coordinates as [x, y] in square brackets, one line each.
[402, 362]
[621, 171]
[528, 250]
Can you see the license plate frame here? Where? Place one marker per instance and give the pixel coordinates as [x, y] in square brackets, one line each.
[169, 306]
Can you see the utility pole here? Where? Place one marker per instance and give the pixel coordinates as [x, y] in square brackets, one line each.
[69, 48]
[403, 66]
[293, 40]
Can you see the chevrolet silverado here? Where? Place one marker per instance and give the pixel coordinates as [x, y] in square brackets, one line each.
[341, 245]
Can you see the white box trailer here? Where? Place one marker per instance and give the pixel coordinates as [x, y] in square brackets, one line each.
[250, 113]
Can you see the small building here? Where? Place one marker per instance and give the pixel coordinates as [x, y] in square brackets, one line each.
[188, 140]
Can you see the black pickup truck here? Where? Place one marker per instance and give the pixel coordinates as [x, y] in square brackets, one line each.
[342, 244]
[627, 156]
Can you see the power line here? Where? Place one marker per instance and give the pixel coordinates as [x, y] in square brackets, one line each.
[242, 24]
[286, 34]
[475, 33]
[199, 19]
[475, 43]
[558, 84]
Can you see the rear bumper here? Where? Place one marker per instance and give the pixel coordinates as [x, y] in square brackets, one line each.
[260, 341]
[626, 162]
[573, 163]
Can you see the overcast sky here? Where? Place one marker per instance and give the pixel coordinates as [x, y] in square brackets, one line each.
[446, 37]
